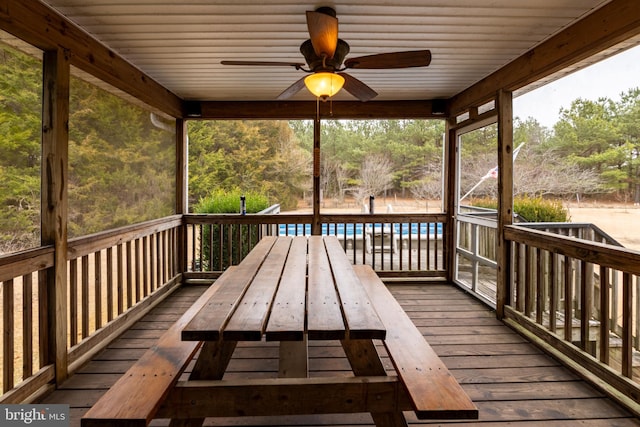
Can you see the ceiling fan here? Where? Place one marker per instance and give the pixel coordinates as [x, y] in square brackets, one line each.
[325, 55]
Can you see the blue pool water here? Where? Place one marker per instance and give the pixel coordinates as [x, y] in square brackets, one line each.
[351, 229]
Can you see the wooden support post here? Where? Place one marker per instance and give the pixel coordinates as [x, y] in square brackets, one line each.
[451, 194]
[316, 227]
[294, 359]
[181, 192]
[504, 106]
[55, 159]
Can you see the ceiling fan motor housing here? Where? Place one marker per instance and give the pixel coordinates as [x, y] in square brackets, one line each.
[318, 63]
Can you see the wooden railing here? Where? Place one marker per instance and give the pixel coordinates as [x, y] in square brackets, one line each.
[579, 230]
[476, 248]
[577, 297]
[581, 299]
[476, 264]
[112, 278]
[404, 244]
[23, 320]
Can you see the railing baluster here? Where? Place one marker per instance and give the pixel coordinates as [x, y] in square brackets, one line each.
[73, 302]
[568, 299]
[194, 240]
[604, 314]
[8, 327]
[517, 277]
[129, 271]
[159, 282]
[426, 260]
[97, 288]
[85, 296]
[43, 307]
[410, 247]
[138, 280]
[585, 306]
[400, 247]
[627, 325]
[165, 256]
[145, 265]
[539, 284]
[109, 284]
[152, 262]
[27, 325]
[528, 297]
[553, 292]
[120, 279]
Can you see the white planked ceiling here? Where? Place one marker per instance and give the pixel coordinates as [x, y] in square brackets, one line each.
[181, 43]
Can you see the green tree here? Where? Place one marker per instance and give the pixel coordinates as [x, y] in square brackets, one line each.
[629, 125]
[411, 147]
[589, 135]
[20, 151]
[121, 164]
[255, 156]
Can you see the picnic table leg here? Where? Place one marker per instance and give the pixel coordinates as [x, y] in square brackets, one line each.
[364, 360]
[294, 359]
[211, 364]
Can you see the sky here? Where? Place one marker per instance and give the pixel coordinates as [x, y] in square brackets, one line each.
[608, 78]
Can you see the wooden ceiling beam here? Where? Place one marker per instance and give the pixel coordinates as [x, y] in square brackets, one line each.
[303, 110]
[43, 27]
[613, 23]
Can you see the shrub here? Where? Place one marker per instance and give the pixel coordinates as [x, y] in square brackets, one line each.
[532, 209]
[222, 201]
[219, 236]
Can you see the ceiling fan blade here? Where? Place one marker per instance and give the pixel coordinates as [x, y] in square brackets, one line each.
[323, 31]
[358, 89]
[264, 63]
[292, 90]
[413, 58]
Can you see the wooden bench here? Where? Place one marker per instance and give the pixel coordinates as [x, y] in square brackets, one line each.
[433, 391]
[354, 307]
[135, 398]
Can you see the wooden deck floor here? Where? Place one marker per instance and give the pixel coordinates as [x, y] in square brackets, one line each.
[512, 382]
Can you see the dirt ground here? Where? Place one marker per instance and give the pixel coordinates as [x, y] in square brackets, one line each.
[622, 222]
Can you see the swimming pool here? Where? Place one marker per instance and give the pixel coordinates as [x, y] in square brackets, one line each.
[341, 229]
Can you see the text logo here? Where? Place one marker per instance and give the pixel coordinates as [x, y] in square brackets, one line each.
[34, 415]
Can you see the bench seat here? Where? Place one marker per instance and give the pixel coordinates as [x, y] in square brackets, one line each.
[433, 391]
[135, 398]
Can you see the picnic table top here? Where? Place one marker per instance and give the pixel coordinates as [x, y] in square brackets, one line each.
[286, 289]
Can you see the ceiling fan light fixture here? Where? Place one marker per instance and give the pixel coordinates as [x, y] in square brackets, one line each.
[324, 84]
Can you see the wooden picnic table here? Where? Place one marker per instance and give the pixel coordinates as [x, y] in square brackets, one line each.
[291, 290]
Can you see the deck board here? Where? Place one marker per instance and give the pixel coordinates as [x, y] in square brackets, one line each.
[512, 382]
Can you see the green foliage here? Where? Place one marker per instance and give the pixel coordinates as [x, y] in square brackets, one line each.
[532, 209]
[413, 147]
[257, 156]
[20, 151]
[121, 164]
[604, 135]
[222, 201]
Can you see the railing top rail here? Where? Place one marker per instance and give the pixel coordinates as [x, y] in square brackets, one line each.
[478, 219]
[307, 218]
[571, 226]
[92, 243]
[618, 258]
[25, 262]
